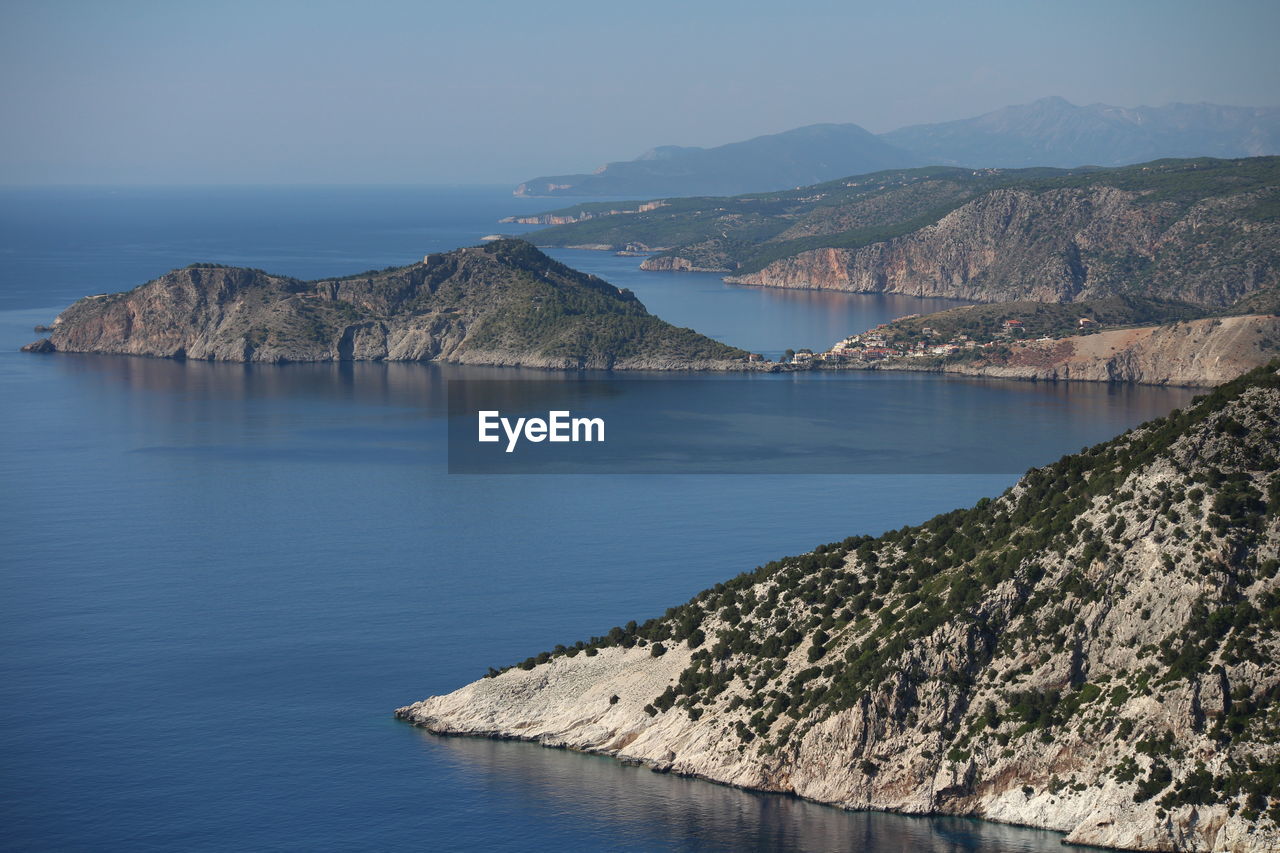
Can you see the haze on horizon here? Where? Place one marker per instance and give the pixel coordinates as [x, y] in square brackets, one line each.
[495, 92]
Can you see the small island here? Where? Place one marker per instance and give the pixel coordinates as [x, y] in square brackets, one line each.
[503, 303]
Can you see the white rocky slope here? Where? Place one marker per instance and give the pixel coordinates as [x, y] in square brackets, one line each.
[1095, 652]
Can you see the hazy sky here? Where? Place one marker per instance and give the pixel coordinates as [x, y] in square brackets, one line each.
[495, 92]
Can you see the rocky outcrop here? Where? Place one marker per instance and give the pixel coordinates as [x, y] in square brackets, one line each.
[675, 263]
[504, 303]
[1198, 231]
[1096, 652]
[1200, 353]
[1057, 245]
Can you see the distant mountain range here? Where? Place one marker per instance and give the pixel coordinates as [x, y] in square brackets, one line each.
[781, 160]
[1047, 132]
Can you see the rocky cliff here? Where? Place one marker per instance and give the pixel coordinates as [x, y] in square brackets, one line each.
[504, 303]
[668, 263]
[1097, 651]
[1202, 231]
[1058, 245]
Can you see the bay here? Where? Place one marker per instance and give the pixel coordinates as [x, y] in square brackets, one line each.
[218, 580]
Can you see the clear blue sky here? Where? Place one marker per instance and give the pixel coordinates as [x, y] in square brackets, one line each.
[494, 92]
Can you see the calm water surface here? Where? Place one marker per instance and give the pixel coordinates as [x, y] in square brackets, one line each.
[219, 580]
[57, 245]
[760, 319]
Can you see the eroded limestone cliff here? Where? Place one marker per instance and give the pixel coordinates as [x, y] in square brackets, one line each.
[1057, 245]
[1202, 231]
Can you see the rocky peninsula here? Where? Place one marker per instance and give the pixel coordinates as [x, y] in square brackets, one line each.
[507, 304]
[1096, 651]
[503, 303]
[1202, 231]
[1197, 353]
[1201, 352]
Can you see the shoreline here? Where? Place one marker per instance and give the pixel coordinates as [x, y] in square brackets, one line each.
[626, 761]
[964, 708]
[989, 372]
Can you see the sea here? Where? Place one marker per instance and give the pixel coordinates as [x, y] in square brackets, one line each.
[217, 581]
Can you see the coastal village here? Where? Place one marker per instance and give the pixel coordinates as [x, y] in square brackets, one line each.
[889, 341]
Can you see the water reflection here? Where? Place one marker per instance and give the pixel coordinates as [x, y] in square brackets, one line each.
[852, 423]
[639, 809]
[257, 537]
[767, 320]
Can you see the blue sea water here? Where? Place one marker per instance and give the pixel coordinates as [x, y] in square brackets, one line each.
[218, 580]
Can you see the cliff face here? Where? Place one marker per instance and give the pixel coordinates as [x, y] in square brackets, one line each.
[1202, 231]
[1195, 353]
[667, 263]
[1057, 245]
[1097, 652]
[501, 304]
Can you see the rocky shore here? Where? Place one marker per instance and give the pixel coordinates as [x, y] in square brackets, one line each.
[1095, 652]
[1196, 353]
[504, 303]
[671, 263]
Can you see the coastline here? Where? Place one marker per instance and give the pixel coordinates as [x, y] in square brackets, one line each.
[661, 769]
[42, 347]
[1191, 354]
[963, 708]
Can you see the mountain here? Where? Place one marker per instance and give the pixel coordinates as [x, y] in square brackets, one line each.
[504, 303]
[1202, 231]
[1055, 132]
[805, 155]
[1096, 651]
[1047, 132]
